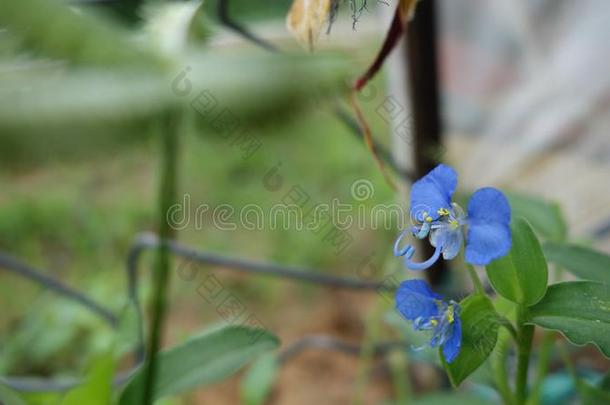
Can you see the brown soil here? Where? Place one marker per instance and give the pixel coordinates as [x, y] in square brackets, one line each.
[314, 376]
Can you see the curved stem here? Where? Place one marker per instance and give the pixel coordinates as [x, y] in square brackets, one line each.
[509, 327]
[342, 115]
[422, 265]
[383, 153]
[476, 281]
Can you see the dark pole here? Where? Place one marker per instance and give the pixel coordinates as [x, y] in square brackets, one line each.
[423, 85]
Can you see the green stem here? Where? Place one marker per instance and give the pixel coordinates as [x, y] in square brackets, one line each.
[509, 328]
[543, 365]
[476, 281]
[525, 334]
[565, 357]
[544, 357]
[498, 365]
[167, 197]
[372, 331]
[400, 376]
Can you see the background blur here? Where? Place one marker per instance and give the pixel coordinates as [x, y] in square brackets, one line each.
[526, 96]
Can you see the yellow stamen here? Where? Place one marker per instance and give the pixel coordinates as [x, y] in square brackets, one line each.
[443, 212]
[433, 322]
[450, 314]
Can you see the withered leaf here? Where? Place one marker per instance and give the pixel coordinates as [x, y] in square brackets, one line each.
[306, 19]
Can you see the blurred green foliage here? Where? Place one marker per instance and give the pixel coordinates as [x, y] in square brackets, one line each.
[79, 99]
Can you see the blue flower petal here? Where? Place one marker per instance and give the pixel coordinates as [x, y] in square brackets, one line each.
[433, 192]
[415, 299]
[453, 244]
[452, 346]
[450, 239]
[488, 226]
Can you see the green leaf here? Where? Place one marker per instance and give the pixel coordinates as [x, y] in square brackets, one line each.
[55, 29]
[258, 381]
[479, 336]
[202, 360]
[170, 26]
[84, 96]
[545, 217]
[453, 398]
[581, 261]
[9, 397]
[605, 382]
[520, 276]
[97, 390]
[219, 82]
[208, 85]
[42, 398]
[578, 309]
[592, 395]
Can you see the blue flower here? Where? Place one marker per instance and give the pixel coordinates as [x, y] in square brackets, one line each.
[428, 312]
[485, 226]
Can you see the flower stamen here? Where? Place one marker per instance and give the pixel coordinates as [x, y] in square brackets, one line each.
[407, 251]
[443, 212]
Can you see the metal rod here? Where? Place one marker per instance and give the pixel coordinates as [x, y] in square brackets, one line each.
[226, 20]
[11, 264]
[151, 241]
[424, 90]
[37, 384]
[330, 343]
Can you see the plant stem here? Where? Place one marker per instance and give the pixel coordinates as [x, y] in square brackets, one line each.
[167, 197]
[400, 376]
[476, 281]
[498, 365]
[509, 328]
[543, 365]
[524, 347]
[565, 357]
[372, 331]
[544, 356]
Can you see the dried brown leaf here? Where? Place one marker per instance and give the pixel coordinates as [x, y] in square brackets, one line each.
[306, 19]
